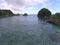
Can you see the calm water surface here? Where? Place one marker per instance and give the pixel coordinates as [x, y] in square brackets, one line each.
[27, 30]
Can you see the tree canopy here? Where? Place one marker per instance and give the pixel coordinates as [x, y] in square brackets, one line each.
[44, 13]
[5, 12]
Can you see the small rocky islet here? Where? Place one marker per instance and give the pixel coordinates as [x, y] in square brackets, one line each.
[25, 14]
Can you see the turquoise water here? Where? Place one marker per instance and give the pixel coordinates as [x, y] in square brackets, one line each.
[27, 30]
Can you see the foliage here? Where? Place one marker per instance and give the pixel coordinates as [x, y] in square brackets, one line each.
[44, 13]
[56, 17]
[5, 13]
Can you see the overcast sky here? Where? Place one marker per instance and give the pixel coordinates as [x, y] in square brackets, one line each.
[30, 6]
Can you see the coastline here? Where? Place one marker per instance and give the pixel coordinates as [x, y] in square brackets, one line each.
[53, 22]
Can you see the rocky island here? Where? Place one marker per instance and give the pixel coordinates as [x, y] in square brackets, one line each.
[46, 14]
[25, 14]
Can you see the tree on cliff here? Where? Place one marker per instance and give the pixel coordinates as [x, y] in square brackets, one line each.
[44, 13]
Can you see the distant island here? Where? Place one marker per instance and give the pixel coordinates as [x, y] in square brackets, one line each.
[6, 13]
[51, 18]
[25, 14]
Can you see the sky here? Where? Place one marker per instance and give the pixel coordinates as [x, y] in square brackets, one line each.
[30, 6]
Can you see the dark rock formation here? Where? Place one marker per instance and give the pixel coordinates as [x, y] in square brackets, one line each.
[54, 22]
[25, 14]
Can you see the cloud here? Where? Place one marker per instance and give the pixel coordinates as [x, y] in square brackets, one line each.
[25, 2]
[30, 8]
[21, 5]
[3, 5]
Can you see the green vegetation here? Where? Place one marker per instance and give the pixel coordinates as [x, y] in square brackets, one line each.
[56, 16]
[44, 13]
[55, 19]
[6, 13]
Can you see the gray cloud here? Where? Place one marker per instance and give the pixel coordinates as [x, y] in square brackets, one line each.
[25, 2]
[15, 2]
[22, 5]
